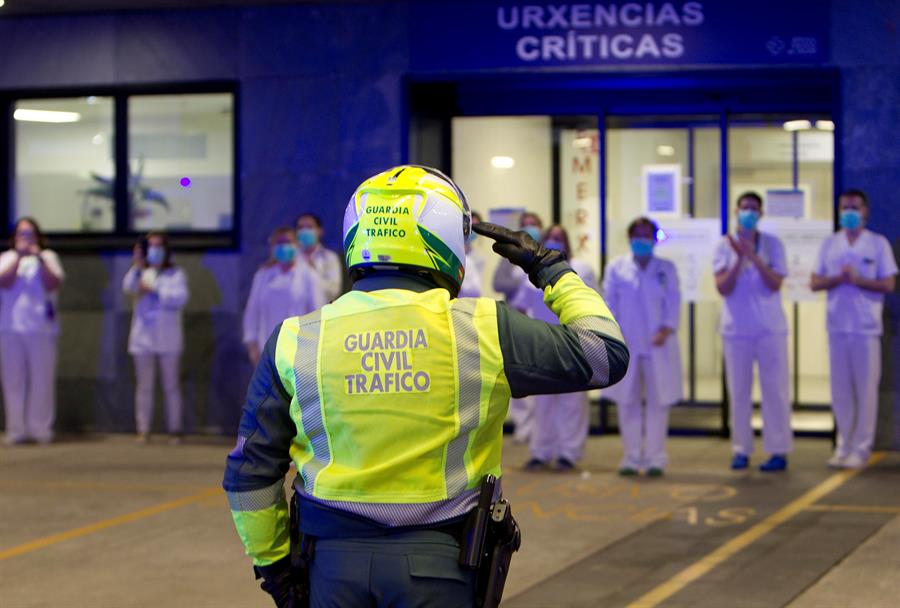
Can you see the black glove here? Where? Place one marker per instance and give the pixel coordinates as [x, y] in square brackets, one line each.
[525, 252]
[278, 581]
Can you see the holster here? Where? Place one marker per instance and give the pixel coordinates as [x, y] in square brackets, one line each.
[302, 550]
[490, 538]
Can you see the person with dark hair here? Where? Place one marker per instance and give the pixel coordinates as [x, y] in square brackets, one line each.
[160, 292]
[282, 287]
[324, 262]
[750, 267]
[30, 277]
[643, 293]
[857, 268]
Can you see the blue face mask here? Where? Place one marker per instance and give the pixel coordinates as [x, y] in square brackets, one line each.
[156, 255]
[308, 237]
[284, 253]
[851, 219]
[533, 231]
[555, 245]
[642, 248]
[747, 218]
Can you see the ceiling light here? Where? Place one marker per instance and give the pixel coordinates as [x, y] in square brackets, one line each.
[45, 116]
[503, 162]
[825, 125]
[797, 125]
[2, 2]
[98, 139]
[665, 150]
[91, 100]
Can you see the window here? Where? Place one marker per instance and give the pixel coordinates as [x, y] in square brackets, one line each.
[64, 163]
[180, 162]
[97, 169]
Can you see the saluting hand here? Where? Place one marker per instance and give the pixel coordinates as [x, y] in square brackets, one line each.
[519, 248]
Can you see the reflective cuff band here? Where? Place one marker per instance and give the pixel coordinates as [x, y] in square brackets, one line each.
[257, 500]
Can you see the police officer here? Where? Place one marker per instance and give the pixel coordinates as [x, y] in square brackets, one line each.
[391, 400]
[856, 266]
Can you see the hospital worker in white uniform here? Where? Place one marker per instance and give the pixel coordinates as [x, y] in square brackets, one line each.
[560, 426]
[283, 287]
[471, 285]
[30, 276]
[643, 294]
[856, 267]
[160, 292]
[507, 280]
[325, 262]
[750, 267]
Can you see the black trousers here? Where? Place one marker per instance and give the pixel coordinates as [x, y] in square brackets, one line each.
[416, 569]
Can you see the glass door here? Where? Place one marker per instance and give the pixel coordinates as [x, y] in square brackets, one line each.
[668, 168]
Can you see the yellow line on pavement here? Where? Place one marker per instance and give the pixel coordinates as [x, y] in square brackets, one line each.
[701, 567]
[104, 524]
[853, 509]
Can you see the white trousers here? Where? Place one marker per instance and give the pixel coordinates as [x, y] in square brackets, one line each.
[145, 370]
[521, 412]
[855, 373]
[560, 426]
[642, 426]
[28, 373]
[770, 354]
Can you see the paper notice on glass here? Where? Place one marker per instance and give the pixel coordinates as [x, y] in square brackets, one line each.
[802, 240]
[661, 189]
[690, 244]
[785, 203]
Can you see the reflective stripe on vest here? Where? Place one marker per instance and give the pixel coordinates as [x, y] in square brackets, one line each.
[399, 397]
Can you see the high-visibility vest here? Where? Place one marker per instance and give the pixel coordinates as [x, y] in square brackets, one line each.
[399, 397]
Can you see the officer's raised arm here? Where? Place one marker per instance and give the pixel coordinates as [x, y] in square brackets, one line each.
[586, 351]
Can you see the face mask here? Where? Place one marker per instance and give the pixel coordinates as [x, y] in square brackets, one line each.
[156, 255]
[851, 219]
[554, 245]
[642, 248]
[532, 231]
[284, 253]
[747, 218]
[308, 237]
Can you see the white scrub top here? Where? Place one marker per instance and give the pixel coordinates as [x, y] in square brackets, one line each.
[156, 319]
[327, 265]
[644, 300]
[530, 299]
[752, 309]
[276, 295]
[851, 309]
[471, 285]
[27, 307]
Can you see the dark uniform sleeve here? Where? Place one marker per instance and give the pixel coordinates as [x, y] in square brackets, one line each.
[585, 351]
[255, 468]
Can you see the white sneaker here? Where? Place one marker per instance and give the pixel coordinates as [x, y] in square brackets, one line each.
[855, 461]
[836, 461]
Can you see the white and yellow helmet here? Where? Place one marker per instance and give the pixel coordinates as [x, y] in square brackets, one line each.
[411, 219]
